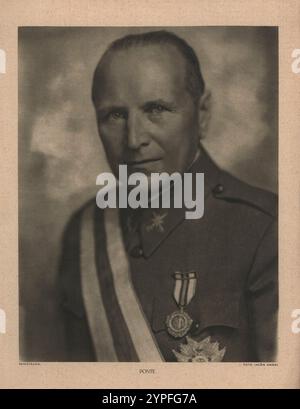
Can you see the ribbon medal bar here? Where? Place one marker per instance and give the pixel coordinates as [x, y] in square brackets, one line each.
[179, 322]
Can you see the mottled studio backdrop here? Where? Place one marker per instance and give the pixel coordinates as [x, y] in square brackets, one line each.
[60, 154]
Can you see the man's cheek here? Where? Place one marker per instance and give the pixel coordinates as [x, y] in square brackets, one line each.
[113, 149]
[178, 127]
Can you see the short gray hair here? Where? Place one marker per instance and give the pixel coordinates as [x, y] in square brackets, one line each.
[194, 79]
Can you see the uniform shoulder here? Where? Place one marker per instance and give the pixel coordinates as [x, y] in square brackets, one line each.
[232, 189]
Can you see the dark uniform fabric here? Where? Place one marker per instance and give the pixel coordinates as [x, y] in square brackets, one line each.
[232, 249]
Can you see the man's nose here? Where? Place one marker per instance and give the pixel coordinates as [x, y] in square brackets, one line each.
[136, 132]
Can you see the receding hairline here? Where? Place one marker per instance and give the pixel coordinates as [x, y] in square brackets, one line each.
[170, 55]
[193, 77]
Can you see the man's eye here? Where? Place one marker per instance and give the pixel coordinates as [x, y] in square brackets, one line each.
[116, 115]
[156, 109]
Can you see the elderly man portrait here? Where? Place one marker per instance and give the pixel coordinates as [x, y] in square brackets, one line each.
[147, 200]
[148, 284]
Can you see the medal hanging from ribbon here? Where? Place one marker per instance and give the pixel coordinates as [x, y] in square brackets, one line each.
[179, 322]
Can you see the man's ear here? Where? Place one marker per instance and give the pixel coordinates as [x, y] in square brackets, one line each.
[204, 108]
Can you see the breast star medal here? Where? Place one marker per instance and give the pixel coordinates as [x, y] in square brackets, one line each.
[179, 322]
[199, 351]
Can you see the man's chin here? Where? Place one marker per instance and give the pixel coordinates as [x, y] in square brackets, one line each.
[145, 168]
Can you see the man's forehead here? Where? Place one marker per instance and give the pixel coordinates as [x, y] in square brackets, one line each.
[159, 58]
[147, 67]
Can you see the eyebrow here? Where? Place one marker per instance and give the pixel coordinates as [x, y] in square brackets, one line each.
[168, 104]
[106, 109]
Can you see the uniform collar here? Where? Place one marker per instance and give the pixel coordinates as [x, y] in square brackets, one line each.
[150, 227]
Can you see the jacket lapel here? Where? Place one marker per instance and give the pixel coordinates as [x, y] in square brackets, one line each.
[157, 224]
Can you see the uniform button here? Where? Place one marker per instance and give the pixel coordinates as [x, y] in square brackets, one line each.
[195, 328]
[136, 252]
[218, 189]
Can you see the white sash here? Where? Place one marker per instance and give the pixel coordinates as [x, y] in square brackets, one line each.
[96, 315]
[140, 333]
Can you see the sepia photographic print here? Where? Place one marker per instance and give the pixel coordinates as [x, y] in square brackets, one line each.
[136, 282]
[150, 196]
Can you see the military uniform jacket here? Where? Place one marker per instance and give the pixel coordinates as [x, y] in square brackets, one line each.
[233, 251]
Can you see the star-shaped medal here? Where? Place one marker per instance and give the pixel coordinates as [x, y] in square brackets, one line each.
[199, 351]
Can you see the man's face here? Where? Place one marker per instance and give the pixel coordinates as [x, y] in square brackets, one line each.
[146, 117]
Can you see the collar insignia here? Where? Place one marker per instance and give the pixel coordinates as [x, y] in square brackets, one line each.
[156, 222]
